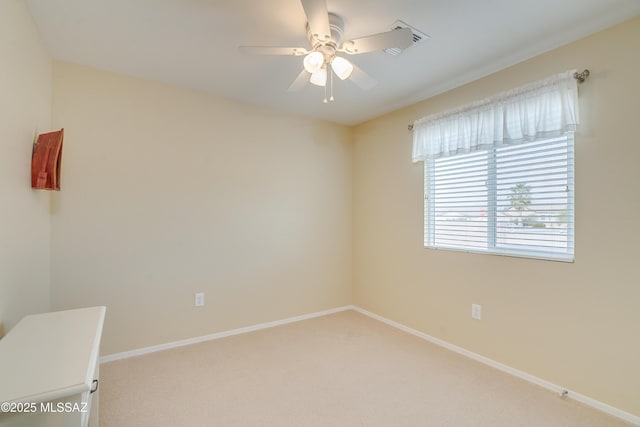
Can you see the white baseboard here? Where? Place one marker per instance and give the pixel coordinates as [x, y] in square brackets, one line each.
[218, 335]
[626, 416]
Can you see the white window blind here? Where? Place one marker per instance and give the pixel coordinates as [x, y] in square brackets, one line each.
[499, 172]
[511, 200]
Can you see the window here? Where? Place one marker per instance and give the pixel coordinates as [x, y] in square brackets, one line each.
[499, 171]
[512, 200]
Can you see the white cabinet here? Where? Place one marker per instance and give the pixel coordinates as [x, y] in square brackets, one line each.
[49, 369]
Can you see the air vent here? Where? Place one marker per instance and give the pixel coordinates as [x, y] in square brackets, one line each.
[418, 36]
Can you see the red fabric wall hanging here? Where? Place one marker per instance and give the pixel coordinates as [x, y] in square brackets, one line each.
[46, 161]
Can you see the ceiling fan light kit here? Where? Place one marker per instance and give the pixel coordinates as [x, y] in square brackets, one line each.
[341, 67]
[319, 77]
[324, 31]
[313, 62]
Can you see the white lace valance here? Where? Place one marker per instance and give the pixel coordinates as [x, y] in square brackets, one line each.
[544, 109]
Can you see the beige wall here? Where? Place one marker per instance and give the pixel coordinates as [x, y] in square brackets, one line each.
[168, 192]
[576, 325]
[25, 111]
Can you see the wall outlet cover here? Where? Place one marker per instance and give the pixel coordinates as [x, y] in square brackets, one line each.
[199, 299]
[476, 311]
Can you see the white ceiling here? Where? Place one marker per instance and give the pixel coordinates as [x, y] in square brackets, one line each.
[194, 44]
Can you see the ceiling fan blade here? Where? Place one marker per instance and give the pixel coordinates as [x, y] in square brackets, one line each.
[362, 79]
[273, 50]
[318, 18]
[299, 82]
[401, 38]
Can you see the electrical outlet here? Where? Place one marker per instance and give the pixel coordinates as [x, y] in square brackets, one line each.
[199, 300]
[476, 311]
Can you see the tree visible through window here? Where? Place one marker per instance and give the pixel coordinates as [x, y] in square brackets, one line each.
[520, 198]
[514, 200]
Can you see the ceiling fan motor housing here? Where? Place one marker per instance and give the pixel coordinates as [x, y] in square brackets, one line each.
[336, 25]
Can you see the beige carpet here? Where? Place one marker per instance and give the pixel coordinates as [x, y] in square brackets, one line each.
[343, 369]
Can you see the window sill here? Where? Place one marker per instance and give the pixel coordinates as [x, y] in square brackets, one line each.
[513, 254]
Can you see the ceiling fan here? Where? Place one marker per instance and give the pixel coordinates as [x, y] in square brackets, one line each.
[322, 61]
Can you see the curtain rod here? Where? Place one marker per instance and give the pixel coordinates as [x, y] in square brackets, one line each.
[580, 77]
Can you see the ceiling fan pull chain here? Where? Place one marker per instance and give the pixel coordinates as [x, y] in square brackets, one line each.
[330, 71]
[324, 101]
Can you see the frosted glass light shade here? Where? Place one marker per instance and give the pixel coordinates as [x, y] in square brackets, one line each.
[341, 67]
[319, 78]
[313, 62]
